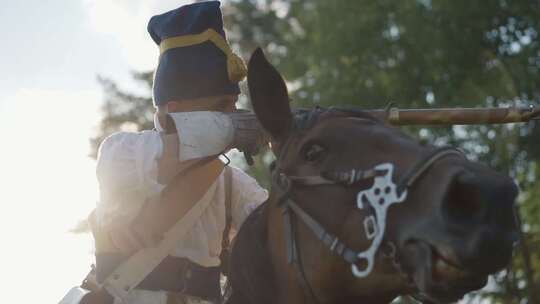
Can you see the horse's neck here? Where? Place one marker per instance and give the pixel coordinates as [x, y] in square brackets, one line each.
[252, 276]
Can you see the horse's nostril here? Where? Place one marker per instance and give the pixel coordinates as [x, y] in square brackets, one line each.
[464, 201]
[479, 199]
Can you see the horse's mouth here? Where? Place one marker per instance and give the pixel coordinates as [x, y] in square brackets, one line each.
[437, 275]
[445, 267]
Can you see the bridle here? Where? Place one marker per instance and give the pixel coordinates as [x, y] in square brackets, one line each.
[378, 198]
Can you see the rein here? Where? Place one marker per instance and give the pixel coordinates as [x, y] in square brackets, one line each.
[378, 198]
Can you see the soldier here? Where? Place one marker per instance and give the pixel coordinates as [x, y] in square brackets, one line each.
[150, 180]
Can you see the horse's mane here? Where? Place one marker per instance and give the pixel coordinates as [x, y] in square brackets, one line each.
[251, 274]
[306, 118]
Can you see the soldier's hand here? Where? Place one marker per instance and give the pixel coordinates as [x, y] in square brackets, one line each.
[249, 136]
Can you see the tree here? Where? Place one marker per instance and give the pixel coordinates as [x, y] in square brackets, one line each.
[124, 111]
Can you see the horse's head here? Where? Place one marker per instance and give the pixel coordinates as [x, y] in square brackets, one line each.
[409, 219]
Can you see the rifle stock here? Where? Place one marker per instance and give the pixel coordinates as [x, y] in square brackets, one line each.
[457, 116]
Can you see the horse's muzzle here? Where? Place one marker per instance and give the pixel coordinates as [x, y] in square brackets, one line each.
[479, 214]
[469, 235]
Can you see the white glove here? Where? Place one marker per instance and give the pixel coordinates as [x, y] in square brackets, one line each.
[206, 133]
[249, 136]
[202, 133]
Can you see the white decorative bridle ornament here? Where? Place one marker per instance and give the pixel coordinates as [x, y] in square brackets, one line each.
[380, 196]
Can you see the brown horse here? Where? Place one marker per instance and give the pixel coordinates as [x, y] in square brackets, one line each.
[361, 213]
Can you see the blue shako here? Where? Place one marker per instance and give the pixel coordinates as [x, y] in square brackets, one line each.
[195, 58]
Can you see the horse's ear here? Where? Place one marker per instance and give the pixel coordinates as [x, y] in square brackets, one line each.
[269, 96]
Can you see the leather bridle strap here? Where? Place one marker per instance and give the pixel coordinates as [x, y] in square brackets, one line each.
[354, 176]
[421, 167]
[335, 177]
[328, 239]
[293, 253]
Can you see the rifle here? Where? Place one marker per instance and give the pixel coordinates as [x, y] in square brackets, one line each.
[457, 116]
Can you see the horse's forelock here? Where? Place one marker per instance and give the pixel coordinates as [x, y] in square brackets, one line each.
[305, 119]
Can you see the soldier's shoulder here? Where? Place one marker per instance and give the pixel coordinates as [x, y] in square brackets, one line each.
[240, 177]
[121, 140]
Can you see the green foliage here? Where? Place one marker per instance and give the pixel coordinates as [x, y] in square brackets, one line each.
[373, 52]
[423, 53]
[122, 110]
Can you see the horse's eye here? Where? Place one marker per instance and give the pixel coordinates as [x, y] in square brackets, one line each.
[314, 152]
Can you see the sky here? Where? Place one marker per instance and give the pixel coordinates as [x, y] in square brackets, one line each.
[50, 56]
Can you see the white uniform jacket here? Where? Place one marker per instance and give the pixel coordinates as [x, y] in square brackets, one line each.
[127, 175]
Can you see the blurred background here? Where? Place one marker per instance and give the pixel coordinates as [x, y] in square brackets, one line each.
[74, 71]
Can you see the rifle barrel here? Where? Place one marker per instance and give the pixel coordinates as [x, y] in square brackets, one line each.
[457, 116]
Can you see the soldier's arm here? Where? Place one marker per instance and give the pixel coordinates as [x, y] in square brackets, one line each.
[247, 195]
[127, 176]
